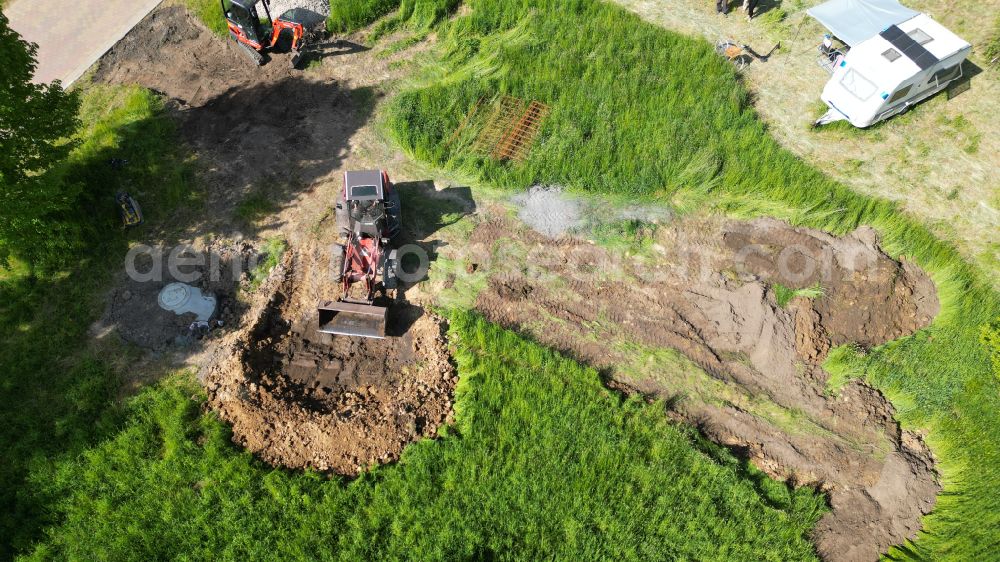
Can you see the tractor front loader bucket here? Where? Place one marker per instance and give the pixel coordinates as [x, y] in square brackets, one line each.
[350, 319]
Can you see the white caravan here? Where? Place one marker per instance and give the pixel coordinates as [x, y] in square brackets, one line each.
[897, 58]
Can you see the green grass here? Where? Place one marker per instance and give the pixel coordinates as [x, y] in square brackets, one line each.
[991, 339]
[272, 252]
[543, 462]
[784, 295]
[643, 111]
[209, 12]
[992, 48]
[56, 393]
[625, 234]
[775, 20]
[351, 15]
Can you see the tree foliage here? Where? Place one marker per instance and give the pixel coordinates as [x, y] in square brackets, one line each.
[36, 123]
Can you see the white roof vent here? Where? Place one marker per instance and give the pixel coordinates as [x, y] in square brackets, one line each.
[891, 55]
[920, 36]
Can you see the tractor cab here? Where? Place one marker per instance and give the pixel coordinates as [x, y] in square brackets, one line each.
[244, 17]
[372, 203]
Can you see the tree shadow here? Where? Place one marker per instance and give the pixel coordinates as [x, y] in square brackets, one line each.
[271, 142]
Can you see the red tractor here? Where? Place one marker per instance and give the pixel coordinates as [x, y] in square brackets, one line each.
[258, 35]
[368, 213]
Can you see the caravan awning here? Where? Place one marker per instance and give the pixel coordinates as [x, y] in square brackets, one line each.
[854, 21]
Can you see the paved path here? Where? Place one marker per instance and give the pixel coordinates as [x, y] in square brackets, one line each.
[73, 34]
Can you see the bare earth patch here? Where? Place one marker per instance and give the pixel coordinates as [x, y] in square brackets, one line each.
[708, 292]
[282, 138]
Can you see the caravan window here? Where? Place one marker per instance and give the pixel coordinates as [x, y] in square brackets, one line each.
[854, 82]
[900, 94]
[946, 75]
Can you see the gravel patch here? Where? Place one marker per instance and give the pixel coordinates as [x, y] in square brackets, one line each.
[318, 10]
[549, 211]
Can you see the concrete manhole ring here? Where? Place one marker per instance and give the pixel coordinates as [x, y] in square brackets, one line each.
[174, 296]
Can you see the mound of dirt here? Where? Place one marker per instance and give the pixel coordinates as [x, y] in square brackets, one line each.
[298, 398]
[710, 294]
[877, 299]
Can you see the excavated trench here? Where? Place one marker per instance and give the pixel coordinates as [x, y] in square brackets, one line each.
[298, 398]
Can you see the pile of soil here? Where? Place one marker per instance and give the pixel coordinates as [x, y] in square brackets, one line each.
[709, 294]
[298, 398]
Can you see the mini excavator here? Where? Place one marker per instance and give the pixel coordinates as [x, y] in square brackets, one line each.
[256, 35]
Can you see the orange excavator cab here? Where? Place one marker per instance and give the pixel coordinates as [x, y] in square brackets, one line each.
[256, 34]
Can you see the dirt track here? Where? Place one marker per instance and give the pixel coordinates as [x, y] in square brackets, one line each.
[295, 400]
[708, 295]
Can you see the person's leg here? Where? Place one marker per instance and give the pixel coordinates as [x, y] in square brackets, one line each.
[722, 6]
[752, 7]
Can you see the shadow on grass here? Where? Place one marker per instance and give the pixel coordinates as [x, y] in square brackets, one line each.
[425, 212]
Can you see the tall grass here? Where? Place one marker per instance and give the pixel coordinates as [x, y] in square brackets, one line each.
[351, 15]
[642, 111]
[542, 463]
